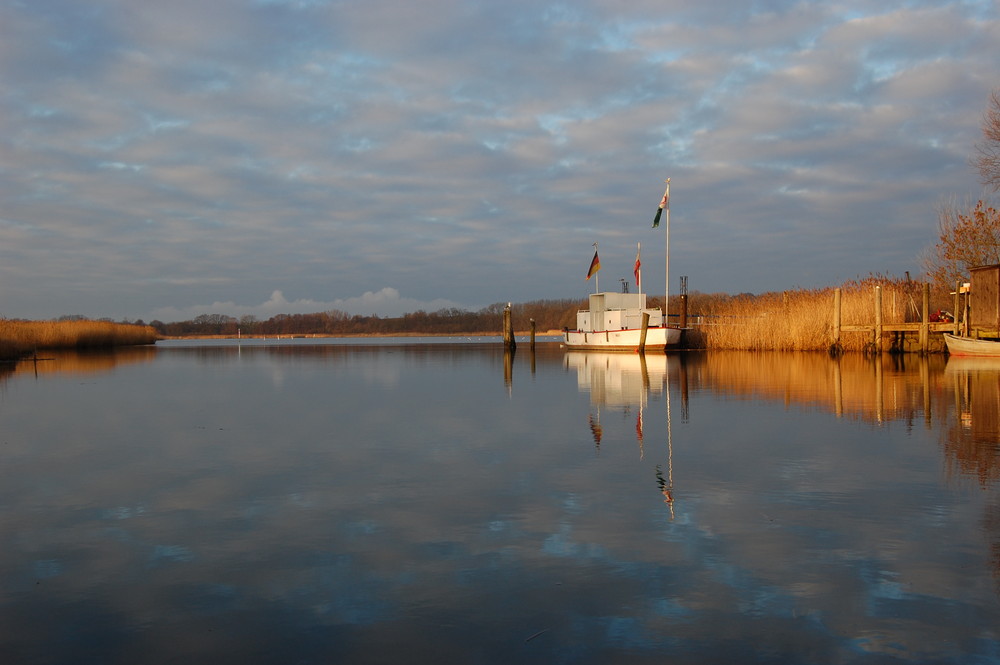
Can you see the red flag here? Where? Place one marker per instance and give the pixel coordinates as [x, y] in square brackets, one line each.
[635, 270]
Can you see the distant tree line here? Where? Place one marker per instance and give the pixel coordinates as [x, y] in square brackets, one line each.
[547, 314]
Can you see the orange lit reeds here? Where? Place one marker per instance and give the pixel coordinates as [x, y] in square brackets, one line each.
[801, 320]
[19, 338]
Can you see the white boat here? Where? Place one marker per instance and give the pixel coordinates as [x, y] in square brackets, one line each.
[970, 346]
[614, 323]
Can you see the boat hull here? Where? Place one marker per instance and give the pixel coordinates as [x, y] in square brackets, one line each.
[657, 339]
[969, 346]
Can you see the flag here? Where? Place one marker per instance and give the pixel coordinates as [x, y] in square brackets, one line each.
[595, 265]
[635, 270]
[595, 428]
[664, 203]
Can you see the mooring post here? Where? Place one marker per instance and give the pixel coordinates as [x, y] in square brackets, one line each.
[925, 320]
[956, 317]
[684, 311]
[642, 335]
[508, 330]
[878, 319]
[532, 343]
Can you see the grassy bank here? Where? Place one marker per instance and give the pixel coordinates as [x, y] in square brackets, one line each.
[802, 320]
[21, 338]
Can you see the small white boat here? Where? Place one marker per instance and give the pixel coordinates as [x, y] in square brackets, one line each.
[614, 323]
[970, 346]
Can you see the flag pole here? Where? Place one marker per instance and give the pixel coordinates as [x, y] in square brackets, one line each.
[666, 268]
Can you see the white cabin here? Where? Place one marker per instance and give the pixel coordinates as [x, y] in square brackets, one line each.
[616, 311]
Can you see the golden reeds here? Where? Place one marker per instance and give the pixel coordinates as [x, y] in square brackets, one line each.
[20, 338]
[800, 320]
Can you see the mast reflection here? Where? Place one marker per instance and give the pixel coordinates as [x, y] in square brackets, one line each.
[626, 381]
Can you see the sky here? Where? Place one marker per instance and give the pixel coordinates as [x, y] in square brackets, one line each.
[161, 160]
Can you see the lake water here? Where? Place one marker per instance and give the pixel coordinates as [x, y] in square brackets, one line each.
[397, 502]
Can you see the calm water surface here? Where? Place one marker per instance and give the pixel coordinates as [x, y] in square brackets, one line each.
[302, 502]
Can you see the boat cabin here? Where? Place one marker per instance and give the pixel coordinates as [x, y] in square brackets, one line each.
[984, 300]
[616, 311]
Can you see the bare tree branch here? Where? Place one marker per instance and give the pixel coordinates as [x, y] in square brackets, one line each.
[988, 159]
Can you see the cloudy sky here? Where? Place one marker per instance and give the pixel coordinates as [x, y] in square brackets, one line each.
[168, 159]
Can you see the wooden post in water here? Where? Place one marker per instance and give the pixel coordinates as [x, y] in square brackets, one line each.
[925, 319]
[642, 335]
[508, 330]
[954, 312]
[684, 311]
[878, 319]
[836, 319]
[532, 343]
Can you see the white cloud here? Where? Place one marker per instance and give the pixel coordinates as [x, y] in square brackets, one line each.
[386, 302]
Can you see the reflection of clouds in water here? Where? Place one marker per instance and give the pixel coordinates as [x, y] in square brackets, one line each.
[277, 376]
[163, 554]
[433, 504]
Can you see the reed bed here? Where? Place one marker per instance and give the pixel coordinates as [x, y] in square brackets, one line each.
[21, 338]
[800, 320]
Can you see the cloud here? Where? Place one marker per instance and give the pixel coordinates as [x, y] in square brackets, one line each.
[155, 156]
[386, 302]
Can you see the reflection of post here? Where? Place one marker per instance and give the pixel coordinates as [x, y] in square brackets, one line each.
[645, 376]
[838, 389]
[925, 381]
[508, 367]
[879, 393]
[682, 379]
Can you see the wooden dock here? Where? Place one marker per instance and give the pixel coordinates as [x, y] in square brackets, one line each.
[897, 331]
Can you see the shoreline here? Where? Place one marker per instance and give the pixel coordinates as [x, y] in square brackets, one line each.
[549, 333]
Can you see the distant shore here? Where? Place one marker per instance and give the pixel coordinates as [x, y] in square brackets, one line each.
[523, 333]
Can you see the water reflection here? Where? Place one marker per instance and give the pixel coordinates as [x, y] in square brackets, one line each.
[385, 504]
[972, 435]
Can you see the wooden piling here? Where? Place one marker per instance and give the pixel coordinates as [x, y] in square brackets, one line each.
[925, 320]
[642, 335]
[878, 319]
[683, 323]
[955, 314]
[531, 344]
[836, 319]
[508, 331]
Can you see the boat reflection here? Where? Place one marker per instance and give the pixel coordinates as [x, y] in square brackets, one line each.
[960, 396]
[972, 434]
[622, 379]
[625, 381]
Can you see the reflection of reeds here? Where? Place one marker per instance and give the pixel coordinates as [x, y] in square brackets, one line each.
[870, 389]
[19, 338]
[800, 320]
[82, 362]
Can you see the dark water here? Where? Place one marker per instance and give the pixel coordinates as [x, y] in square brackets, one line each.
[391, 503]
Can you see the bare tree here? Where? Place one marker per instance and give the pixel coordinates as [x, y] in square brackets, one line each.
[965, 240]
[988, 159]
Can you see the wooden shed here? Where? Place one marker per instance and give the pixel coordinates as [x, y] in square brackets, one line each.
[984, 300]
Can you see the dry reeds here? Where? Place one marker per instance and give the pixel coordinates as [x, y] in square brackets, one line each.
[800, 320]
[20, 338]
